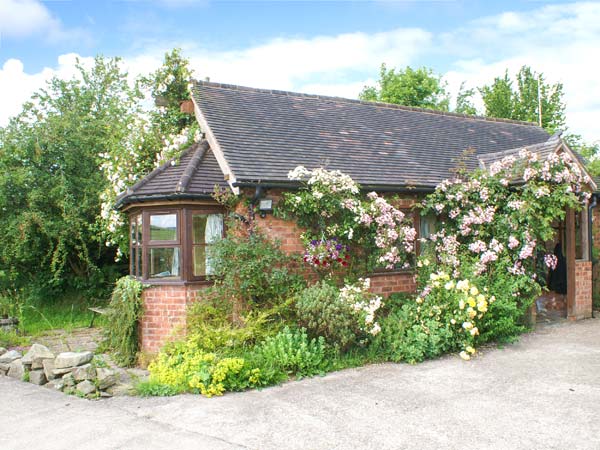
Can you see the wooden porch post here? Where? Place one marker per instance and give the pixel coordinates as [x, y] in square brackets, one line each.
[570, 232]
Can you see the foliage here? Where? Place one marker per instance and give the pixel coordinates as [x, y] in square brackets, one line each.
[49, 191]
[211, 327]
[464, 103]
[154, 389]
[343, 317]
[123, 313]
[185, 367]
[10, 339]
[291, 352]
[491, 231]
[520, 102]
[409, 87]
[251, 269]
[330, 207]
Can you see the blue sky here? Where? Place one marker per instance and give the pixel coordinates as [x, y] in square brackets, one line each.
[322, 47]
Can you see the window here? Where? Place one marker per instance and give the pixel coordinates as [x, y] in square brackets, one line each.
[135, 263]
[163, 252]
[174, 245]
[427, 227]
[206, 230]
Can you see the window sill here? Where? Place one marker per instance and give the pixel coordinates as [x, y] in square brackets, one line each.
[176, 282]
[384, 272]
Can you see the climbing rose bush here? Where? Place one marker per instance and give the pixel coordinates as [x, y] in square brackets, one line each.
[491, 230]
[331, 208]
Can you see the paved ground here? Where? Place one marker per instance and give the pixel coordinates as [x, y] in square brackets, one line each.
[542, 393]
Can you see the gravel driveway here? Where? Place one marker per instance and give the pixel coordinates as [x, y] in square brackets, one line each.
[541, 393]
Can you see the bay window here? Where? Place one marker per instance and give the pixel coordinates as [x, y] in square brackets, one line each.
[173, 245]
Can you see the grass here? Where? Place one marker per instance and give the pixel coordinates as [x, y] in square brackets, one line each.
[69, 312]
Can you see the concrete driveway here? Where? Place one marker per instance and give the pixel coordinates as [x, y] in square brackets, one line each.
[541, 393]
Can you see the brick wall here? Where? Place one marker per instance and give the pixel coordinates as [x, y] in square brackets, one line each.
[583, 290]
[164, 317]
[596, 252]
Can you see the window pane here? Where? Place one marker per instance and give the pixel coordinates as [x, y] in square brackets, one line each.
[163, 227]
[139, 229]
[132, 261]
[199, 261]
[133, 230]
[138, 262]
[164, 262]
[199, 228]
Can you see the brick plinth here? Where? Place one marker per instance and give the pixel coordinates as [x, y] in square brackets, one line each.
[164, 317]
[583, 290]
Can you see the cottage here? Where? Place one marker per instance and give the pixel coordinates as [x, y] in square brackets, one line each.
[252, 138]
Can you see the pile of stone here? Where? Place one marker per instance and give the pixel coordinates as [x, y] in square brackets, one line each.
[70, 372]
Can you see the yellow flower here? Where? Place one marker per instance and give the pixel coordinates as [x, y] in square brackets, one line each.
[463, 285]
[474, 291]
[453, 321]
[482, 306]
[449, 285]
[474, 331]
[467, 325]
[492, 299]
[425, 262]
[471, 312]
[464, 355]
[419, 264]
[461, 304]
[471, 302]
[470, 350]
[480, 298]
[433, 276]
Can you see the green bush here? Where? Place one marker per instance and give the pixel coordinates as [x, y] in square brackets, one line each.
[124, 311]
[322, 313]
[405, 338]
[211, 328]
[291, 352]
[251, 269]
[154, 389]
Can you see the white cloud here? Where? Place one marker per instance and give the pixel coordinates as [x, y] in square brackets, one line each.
[560, 40]
[24, 18]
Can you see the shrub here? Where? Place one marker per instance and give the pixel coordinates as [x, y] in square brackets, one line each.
[124, 310]
[291, 352]
[211, 328]
[343, 317]
[184, 367]
[251, 269]
[154, 389]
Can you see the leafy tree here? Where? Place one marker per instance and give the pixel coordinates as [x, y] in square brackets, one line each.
[502, 99]
[409, 87]
[49, 158]
[464, 103]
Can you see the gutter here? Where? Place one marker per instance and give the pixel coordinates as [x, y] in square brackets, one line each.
[366, 187]
[126, 200]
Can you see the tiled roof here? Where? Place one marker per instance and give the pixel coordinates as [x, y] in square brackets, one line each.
[263, 134]
[543, 149]
[192, 176]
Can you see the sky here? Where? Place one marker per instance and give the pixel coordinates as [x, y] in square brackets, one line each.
[330, 48]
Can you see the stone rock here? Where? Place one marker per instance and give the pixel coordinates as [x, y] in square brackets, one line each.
[105, 378]
[85, 372]
[86, 387]
[105, 395]
[68, 379]
[60, 372]
[16, 370]
[119, 390]
[72, 359]
[36, 354]
[57, 384]
[2, 351]
[4, 367]
[48, 366]
[37, 377]
[10, 356]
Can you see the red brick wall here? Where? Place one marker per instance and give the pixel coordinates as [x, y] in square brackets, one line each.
[583, 290]
[164, 317]
[596, 252]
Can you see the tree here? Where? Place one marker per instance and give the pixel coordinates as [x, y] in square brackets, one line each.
[521, 102]
[464, 103]
[49, 159]
[590, 151]
[409, 87]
